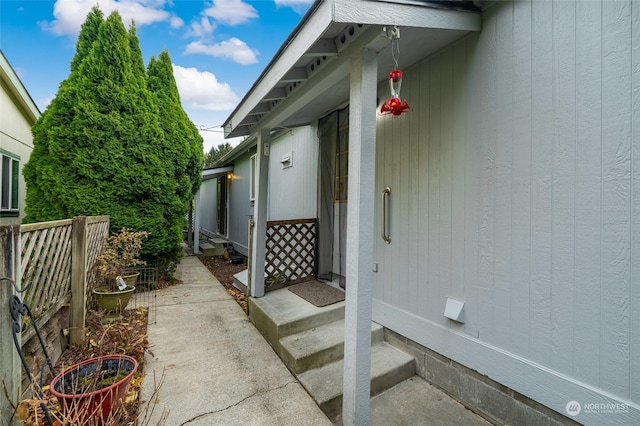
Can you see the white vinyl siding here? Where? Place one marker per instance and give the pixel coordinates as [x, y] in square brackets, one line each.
[293, 191]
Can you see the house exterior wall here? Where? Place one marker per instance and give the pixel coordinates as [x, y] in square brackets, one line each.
[15, 141]
[516, 189]
[208, 207]
[240, 205]
[293, 191]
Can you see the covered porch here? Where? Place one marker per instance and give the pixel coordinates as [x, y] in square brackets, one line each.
[337, 56]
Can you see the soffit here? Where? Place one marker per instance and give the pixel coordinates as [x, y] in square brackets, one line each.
[309, 75]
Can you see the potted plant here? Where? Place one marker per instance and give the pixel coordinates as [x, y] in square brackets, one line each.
[93, 389]
[119, 254]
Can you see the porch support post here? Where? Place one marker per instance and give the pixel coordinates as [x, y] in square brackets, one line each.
[360, 231]
[196, 223]
[259, 249]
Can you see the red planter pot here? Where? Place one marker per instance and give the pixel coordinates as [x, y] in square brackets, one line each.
[93, 404]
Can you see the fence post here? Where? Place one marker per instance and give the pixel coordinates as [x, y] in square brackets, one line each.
[78, 279]
[9, 358]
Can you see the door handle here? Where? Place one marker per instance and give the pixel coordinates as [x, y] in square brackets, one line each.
[385, 197]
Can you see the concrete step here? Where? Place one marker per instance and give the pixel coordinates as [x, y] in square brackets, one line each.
[208, 249]
[240, 280]
[389, 366]
[281, 313]
[320, 345]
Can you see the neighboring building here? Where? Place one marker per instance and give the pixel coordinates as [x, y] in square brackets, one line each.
[19, 113]
[224, 201]
[227, 195]
[512, 256]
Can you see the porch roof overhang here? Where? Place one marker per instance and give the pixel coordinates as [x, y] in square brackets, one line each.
[309, 75]
[216, 172]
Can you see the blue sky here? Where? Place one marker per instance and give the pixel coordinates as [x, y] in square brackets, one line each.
[218, 47]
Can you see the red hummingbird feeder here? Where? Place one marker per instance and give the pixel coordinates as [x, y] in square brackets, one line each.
[394, 105]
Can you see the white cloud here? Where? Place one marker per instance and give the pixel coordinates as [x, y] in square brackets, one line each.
[232, 49]
[200, 90]
[70, 14]
[231, 12]
[299, 6]
[176, 22]
[203, 29]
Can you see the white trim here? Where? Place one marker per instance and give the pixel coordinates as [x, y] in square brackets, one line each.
[406, 15]
[14, 161]
[253, 178]
[17, 88]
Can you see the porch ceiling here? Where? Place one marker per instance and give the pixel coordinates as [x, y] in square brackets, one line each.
[309, 76]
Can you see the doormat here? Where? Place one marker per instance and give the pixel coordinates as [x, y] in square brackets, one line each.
[317, 293]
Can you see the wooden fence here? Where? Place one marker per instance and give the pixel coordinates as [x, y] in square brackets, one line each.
[52, 261]
[47, 263]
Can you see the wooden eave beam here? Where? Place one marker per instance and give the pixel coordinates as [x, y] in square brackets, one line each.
[295, 74]
[323, 47]
[275, 94]
[261, 108]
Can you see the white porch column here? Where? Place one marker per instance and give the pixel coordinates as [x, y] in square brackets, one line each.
[360, 231]
[259, 248]
[196, 223]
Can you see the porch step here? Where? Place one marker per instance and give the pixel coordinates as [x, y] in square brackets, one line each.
[209, 249]
[240, 280]
[281, 313]
[310, 341]
[389, 366]
[319, 346]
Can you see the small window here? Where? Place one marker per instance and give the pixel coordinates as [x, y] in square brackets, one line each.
[10, 172]
[253, 178]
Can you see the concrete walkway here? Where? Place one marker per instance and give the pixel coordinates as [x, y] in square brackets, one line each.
[218, 369]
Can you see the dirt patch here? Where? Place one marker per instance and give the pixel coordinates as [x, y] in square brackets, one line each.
[224, 271]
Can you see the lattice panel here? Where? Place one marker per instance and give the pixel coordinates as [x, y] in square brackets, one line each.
[291, 251]
[46, 262]
[97, 233]
[46, 265]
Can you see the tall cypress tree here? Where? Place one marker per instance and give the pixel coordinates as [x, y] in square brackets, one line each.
[180, 130]
[183, 142]
[100, 147]
[88, 34]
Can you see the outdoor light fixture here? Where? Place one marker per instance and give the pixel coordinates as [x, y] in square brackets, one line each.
[394, 105]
